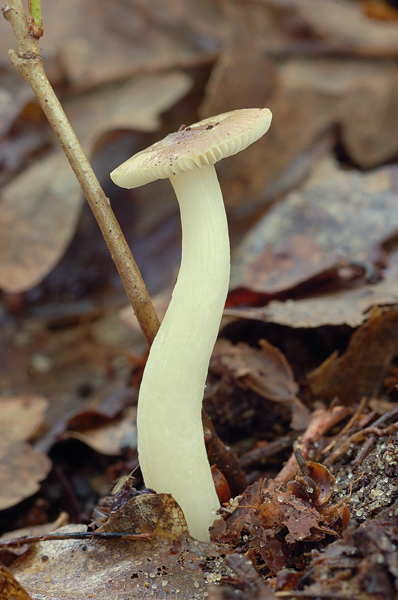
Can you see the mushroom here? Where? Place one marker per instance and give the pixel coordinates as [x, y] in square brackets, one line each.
[171, 446]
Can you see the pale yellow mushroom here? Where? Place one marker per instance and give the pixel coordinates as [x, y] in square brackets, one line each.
[171, 446]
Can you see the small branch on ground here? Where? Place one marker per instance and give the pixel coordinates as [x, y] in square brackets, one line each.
[29, 64]
[321, 421]
[79, 535]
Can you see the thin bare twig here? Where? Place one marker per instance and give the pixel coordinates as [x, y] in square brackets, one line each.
[321, 421]
[29, 64]
[346, 427]
[75, 535]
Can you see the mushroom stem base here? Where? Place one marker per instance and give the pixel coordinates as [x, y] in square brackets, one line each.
[171, 446]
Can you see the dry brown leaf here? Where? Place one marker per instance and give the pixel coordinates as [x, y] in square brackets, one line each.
[110, 437]
[21, 470]
[308, 99]
[272, 165]
[38, 216]
[369, 116]
[358, 95]
[158, 514]
[265, 371]
[9, 554]
[133, 104]
[37, 226]
[113, 44]
[344, 307]
[348, 307]
[359, 372]
[15, 101]
[21, 416]
[243, 76]
[346, 216]
[10, 589]
[345, 26]
[170, 565]
[267, 520]
[273, 269]
[21, 466]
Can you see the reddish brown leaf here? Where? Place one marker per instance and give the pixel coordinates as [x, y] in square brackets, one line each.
[269, 521]
[323, 479]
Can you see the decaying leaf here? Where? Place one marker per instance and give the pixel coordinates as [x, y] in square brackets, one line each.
[40, 207]
[345, 25]
[270, 520]
[345, 86]
[21, 466]
[360, 370]
[110, 46]
[9, 553]
[158, 514]
[39, 211]
[171, 564]
[10, 589]
[368, 554]
[337, 218]
[110, 436]
[346, 307]
[265, 371]
[21, 416]
[335, 307]
[137, 104]
[234, 81]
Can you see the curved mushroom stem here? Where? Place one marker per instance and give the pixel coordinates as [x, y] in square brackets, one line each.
[171, 446]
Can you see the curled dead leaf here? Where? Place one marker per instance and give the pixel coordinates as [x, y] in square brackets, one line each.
[265, 371]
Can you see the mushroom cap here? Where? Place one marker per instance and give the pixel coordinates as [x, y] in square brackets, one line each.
[203, 143]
